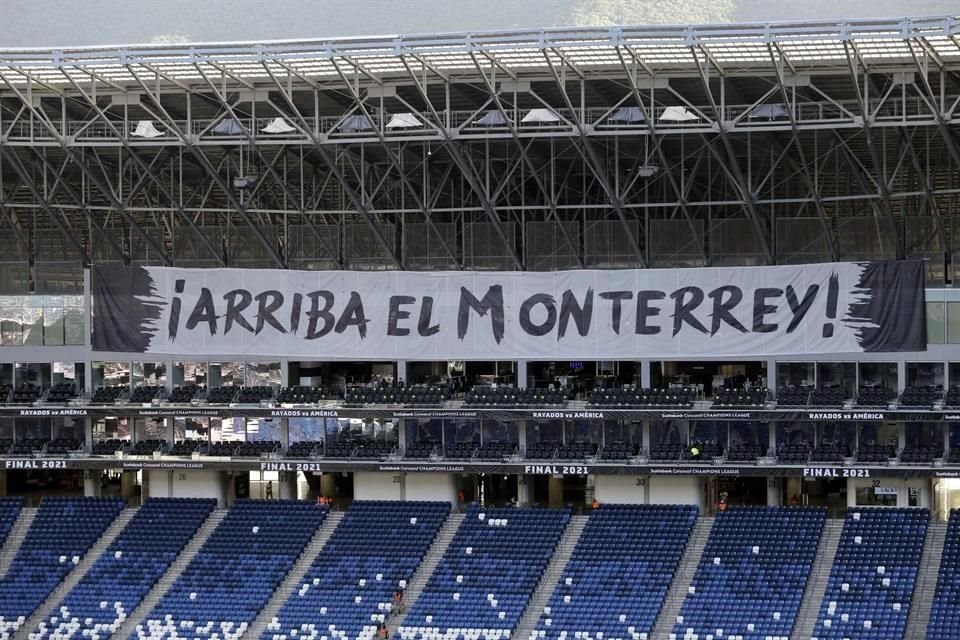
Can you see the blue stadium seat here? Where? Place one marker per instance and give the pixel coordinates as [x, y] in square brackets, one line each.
[871, 584]
[485, 579]
[350, 585]
[944, 621]
[61, 534]
[752, 574]
[9, 512]
[619, 573]
[128, 569]
[235, 572]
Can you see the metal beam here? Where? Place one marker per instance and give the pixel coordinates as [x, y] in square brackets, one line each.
[740, 180]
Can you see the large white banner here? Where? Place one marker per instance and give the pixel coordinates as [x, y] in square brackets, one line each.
[609, 315]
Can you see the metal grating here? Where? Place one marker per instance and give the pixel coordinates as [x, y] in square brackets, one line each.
[422, 249]
[671, 243]
[801, 241]
[606, 246]
[484, 251]
[363, 251]
[546, 248]
[734, 243]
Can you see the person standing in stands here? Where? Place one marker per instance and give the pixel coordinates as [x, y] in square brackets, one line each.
[596, 504]
[269, 491]
[695, 452]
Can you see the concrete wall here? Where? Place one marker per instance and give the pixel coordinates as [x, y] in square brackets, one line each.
[187, 484]
[378, 486]
[430, 486]
[620, 489]
[676, 490]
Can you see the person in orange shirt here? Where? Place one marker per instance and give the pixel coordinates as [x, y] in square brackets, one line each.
[596, 504]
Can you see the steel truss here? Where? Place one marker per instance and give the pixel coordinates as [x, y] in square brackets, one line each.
[555, 149]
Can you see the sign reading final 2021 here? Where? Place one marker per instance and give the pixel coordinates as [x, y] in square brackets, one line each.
[623, 314]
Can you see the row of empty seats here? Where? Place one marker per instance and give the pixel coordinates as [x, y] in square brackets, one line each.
[418, 394]
[871, 583]
[944, 623]
[487, 575]
[502, 396]
[62, 532]
[753, 573]
[619, 573]
[629, 396]
[919, 397]
[235, 572]
[349, 586]
[749, 582]
[123, 575]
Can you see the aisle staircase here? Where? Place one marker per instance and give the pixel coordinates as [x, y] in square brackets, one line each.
[425, 571]
[76, 574]
[163, 585]
[295, 575]
[682, 579]
[551, 577]
[818, 578]
[15, 538]
[926, 584]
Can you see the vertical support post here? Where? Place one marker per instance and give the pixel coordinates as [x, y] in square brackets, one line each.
[524, 490]
[772, 376]
[91, 483]
[645, 374]
[521, 374]
[773, 492]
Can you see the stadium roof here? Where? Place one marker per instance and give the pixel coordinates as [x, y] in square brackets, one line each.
[742, 49]
[558, 148]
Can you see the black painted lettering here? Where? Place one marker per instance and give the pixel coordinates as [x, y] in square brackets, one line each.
[203, 311]
[547, 325]
[616, 297]
[320, 313]
[396, 314]
[492, 302]
[799, 309]
[761, 309]
[173, 324]
[724, 300]
[295, 309]
[570, 308]
[237, 301]
[268, 302]
[353, 316]
[424, 328]
[644, 311]
[686, 300]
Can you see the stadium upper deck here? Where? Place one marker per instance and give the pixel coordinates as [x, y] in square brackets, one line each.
[622, 147]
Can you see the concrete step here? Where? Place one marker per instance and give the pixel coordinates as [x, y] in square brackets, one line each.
[295, 577]
[682, 579]
[15, 538]
[817, 580]
[76, 574]
[426, 569]
[551, 577]
[926, 584]
[153, 597]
